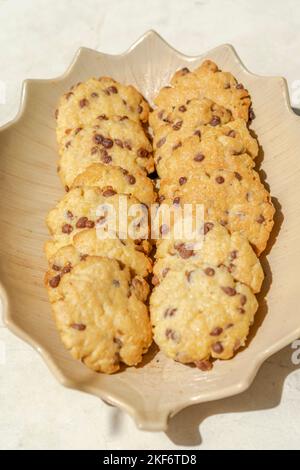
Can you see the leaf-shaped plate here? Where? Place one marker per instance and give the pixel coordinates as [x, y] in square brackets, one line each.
[29, 187]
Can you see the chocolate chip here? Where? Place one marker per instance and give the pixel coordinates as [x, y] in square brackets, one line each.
[199, 157]
[90, 224]
[177, 126]
[203, 365]
[184, 71]
[55, 267]
[112, 89]
[164, 229]
[182, 108]
[243, 299]
[183, 251]
[171, 334]
[67, 268]
[215, 121]
[94, 95]
[98, 138]
[81, 222]
[182, 180]
[131, 179]
[143, 153]
[188, 275]
[78, 326]
[119, 143]
[198, 133]
[229, 291]
[260, 219]
[233, 254]
[239, 86]
[176, 146]
[67, 228]
[251, 114]
[84, 102]
[109, 192]
[101, 220]
[176, 201]
[140, 109]
[231, 133]
[107, 143]
[238, 176]
[94, 150]
[106, 158]
[209, 271]
[216, 331]
[220, 179]
[127, 145]
[102, 117]
[170, 312]
[54, 281]
[161, 142]
[218, 347]
[207, 227]
[116, 283]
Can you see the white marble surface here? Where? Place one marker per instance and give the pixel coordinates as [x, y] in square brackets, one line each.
[39, 39]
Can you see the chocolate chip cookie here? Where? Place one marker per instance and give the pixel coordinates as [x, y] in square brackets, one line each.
[99, 316]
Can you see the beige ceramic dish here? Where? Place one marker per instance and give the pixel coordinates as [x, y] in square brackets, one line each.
[29, 186]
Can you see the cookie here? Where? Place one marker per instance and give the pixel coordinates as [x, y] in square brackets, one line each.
[120, 180]
[218, 148]
[126, 251]
[80, 106]
[237, 200]
[89, 207]
[217, 247]
[90, 145]
[221, 87]
[87, 244]
[201, 313]
[100, 318]
[189, 115]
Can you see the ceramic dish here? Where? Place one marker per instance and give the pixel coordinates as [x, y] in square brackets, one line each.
[29, 187]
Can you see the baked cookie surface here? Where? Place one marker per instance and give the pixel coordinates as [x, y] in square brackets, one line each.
[222, 147]
[100, 318]
[237, 200]
[215, 247]
[98, 97]
[119, 179]
[219, 86]
[201, 313]
[89, 207]
[88, 145]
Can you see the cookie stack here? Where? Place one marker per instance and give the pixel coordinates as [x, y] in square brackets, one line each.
[97, 285]
[204, 300]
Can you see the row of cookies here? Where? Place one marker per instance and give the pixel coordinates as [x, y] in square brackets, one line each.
[204, 300]
[97, 283]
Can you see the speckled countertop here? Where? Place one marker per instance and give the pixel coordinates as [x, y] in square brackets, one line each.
[39, 39]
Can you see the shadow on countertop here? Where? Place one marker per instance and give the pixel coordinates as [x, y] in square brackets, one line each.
[265, 393]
